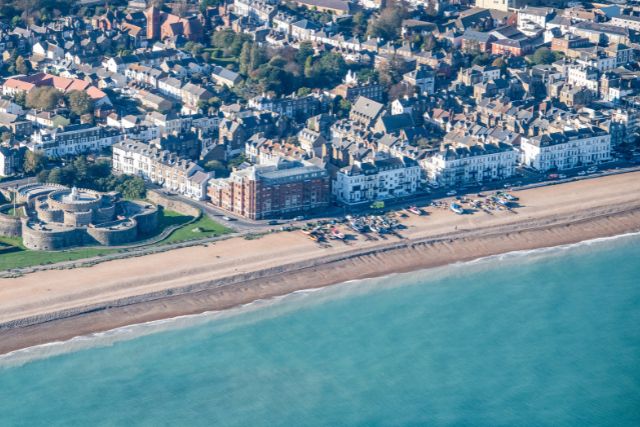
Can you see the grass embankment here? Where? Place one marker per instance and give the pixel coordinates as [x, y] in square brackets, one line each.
[20, 257]
[23, 257]
[200, 229]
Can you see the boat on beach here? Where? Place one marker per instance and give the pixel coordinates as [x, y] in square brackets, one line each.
[336, 234]
[454, 207]
[414, 210]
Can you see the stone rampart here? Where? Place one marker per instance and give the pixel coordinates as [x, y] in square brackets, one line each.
[10, 225]
[116, 233]
[172, 204]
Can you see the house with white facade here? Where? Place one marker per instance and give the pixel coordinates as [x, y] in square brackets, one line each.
[581, 76]
[379, 179]
[73, 140]
[458, 165]
[160, 167]
[566, 150]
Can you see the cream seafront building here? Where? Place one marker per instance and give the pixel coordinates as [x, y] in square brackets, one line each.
[466, 164]
[565, 150]
[161, 167]
[379, 179]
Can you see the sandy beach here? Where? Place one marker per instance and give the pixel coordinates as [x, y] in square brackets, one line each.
[56, 305]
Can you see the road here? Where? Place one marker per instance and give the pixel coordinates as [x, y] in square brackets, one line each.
[525, 178]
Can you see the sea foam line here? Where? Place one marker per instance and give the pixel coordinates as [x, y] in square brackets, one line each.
[107, 338]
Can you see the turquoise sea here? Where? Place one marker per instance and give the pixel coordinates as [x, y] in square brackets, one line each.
[542, 338]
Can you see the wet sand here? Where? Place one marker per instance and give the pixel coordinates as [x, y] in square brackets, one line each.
[59, 304]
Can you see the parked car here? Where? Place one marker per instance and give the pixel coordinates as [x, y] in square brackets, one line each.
[452, 193]
[582, 173]
[273, 222]
[228, 218]
[592, 169]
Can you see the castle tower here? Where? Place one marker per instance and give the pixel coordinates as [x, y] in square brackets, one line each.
[153, 23]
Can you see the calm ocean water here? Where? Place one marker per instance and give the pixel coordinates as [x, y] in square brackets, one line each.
[546, 338]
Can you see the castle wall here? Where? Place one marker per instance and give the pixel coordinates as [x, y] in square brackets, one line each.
[78, 219]
[147, 222]
[10, 225]
[120, 234]
[104, 214]
[52, 240]
[172, 204]
[55, 202]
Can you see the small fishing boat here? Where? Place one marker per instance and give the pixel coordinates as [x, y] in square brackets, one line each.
[456, 208]
[336, 234]
[414, 210]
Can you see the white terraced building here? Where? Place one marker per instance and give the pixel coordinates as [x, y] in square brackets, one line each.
[566, 150]
[73, 140]
[161, 167]
[458, 165]
[378, 179]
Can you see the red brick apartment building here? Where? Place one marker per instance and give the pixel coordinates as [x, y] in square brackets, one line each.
[260, 192]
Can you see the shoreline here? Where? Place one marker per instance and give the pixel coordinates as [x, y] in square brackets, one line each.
[404, 256]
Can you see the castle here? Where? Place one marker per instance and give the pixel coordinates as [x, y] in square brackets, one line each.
[55, 217]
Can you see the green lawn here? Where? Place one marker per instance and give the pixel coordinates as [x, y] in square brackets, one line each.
[27, 258]
[203, 227]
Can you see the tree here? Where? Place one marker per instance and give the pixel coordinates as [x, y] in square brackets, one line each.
[483, 59]
[359, 24]
[258, 57]
[345, 106]
[180, 8]
[80, 102]
[22, 67]
[132, 188]
[303, 91]
[305, 51]
[33, 162]
[245, 58]
[387, 25]
[329, 69]
[217, 167]
[429, 42]
[500, 63]
[543, 56]
[308, 67]
[43, 98]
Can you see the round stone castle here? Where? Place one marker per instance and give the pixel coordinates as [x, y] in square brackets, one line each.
[55, 217]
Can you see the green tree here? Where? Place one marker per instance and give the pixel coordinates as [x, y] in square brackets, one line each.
[344, 106]
[217, 167]
[387, 24]
[429, 42]
[483, 59]
[34, 162]
[54, 176]
[132, 188]
[543, 56]
[79, 102]
[245, 58]
[304, 51]
[258, 57]
[22, 67]
[359, 24]
[43, 98]
[500, 63]
[308, 67]
[303, 91]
